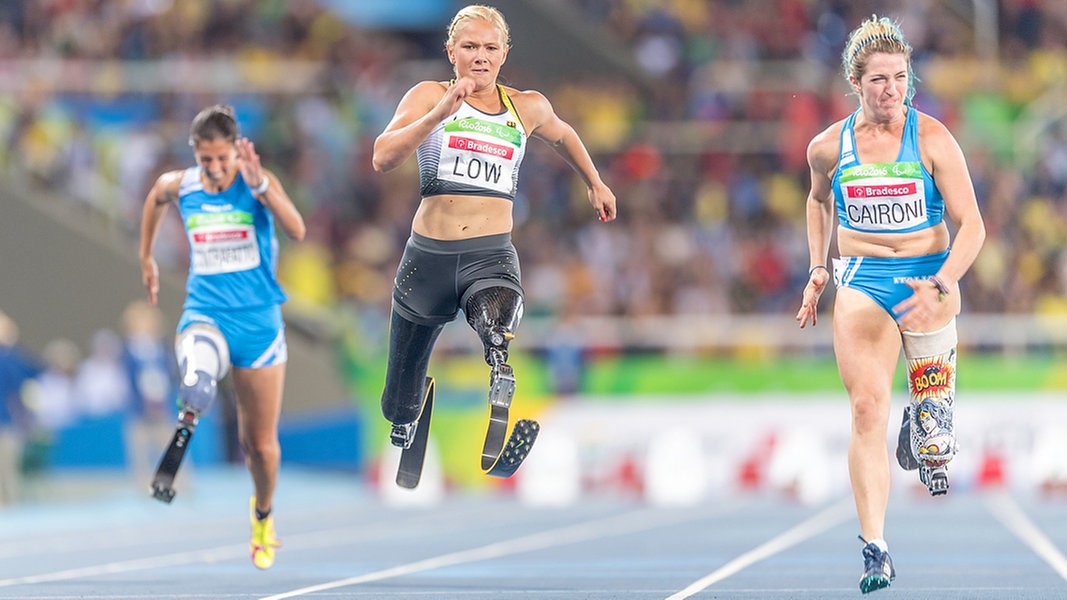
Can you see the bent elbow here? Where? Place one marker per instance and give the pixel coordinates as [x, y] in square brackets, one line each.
[380, 157]
[382, 163]
[977, 225]
[296, 231]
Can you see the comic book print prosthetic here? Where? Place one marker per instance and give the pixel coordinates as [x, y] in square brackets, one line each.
[931, 368]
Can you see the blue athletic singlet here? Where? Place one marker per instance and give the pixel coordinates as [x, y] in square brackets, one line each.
[893, 197]
[232, 247]
[473, 153]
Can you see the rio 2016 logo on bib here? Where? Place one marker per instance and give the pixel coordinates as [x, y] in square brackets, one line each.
[222, 242]
[481, 153]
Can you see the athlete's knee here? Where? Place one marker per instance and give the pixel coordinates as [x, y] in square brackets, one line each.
[203, 359]
[494, 313]
[869, 414]
[931, 360]
[410, 347]
[263, 451]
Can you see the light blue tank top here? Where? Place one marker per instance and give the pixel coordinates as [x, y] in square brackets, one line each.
[232, 246]
[894, 197]
[473, 153]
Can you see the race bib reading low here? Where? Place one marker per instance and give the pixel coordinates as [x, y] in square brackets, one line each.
[480, 153]
[884, 196]
[223, 242]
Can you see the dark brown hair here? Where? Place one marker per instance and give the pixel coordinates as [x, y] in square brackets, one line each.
[213, 123]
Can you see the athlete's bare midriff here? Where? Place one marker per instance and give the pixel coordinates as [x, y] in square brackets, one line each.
[889, 245]
[454, 217]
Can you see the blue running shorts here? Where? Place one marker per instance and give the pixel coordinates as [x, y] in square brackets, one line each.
[256, 336]
[885, 279]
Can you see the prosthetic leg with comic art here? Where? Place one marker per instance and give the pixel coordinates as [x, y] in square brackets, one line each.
[927, 441]
[203, 359]
[494, 313]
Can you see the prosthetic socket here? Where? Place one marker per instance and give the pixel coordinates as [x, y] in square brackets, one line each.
[931, 368]
[494, 313]
[203, 359]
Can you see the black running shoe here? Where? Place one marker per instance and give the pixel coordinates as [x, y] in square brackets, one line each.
[878, 571]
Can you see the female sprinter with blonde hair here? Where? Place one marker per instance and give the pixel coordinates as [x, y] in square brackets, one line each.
[892, 174]
[469, 135]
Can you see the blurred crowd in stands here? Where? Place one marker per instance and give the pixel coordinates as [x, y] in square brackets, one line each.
[128, 376]
[704, 143]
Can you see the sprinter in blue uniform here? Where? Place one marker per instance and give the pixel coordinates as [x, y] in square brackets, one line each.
[892, 174]
[232, 315]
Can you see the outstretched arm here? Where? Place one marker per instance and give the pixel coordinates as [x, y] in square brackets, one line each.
[546, 125]
[820, 214]
[163, 193]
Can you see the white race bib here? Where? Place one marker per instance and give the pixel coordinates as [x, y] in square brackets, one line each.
[223, 243]
[480, 153]
[884, 196]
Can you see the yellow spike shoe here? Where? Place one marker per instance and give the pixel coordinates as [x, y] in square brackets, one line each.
[263, 540]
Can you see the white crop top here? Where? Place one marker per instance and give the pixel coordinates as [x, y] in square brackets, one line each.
[473, 153]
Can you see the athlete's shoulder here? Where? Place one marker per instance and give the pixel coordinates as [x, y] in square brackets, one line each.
[172, 177]
[429, 89]
[168, 183]
[425, 92]
[936, 142]
[532, 105]
[826, 145]
[430, 86]
[929, 125]
[832, 132]
[524, 96]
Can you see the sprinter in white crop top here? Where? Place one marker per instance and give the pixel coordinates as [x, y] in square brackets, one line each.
[470, 136]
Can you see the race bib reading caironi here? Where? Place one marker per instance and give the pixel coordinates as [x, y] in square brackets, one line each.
[884, 196]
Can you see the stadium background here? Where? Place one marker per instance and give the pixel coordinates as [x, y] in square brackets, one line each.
[680, 313]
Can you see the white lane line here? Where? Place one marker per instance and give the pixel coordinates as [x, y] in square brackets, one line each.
[630, 522]
[210, 555]
[1011, 515]
[50, 547]
[829, 517]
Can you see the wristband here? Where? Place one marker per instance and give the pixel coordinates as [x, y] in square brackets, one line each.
[262, 188]
[816, 267]
[942, 289]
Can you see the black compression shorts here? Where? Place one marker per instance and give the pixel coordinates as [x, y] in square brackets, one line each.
[436, 277]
